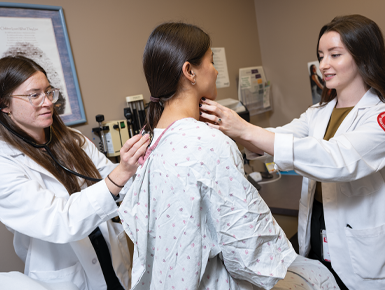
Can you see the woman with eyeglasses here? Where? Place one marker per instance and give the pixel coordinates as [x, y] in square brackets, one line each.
[62, 223]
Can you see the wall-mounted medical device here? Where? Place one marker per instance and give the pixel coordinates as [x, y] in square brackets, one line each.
[116, 136]
[135, 114]
[113, 134]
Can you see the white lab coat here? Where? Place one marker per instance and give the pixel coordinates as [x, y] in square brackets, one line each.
[351, 168]
[51, 228]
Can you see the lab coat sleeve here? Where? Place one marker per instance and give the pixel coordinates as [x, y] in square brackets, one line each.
[104, 165]
[49, 214]
[346, 157]
[253, 246]
[298, 128]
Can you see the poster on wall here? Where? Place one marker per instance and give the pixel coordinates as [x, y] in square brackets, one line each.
[39, 33]
[316, 81]
[220, 64]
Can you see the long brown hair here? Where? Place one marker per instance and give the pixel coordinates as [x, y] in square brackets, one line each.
[169, 46]
[66, 145]
[364, 40]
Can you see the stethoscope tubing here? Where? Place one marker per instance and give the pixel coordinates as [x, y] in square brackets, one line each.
[45, 146]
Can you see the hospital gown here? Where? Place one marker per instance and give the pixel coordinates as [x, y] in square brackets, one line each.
[195, 220]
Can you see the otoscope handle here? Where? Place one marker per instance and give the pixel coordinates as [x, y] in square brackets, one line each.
[103, 139]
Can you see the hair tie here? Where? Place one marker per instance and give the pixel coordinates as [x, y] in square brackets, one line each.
[154, 99]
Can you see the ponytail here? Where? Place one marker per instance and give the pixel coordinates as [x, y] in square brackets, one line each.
[154, 111]
[169, 46]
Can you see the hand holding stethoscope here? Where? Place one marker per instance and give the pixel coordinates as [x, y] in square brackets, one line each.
[129, 155]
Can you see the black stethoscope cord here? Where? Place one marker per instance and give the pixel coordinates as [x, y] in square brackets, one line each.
[45, 146]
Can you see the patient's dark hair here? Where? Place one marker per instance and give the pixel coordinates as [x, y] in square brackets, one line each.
[364, 40]
[169, 46]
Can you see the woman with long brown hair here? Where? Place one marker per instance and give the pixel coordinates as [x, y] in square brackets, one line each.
[195, 220]
[339, 148]
[58, 192]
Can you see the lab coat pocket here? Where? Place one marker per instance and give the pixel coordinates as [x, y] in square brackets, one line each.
[365, 248]
[75, 274]
[363, 186]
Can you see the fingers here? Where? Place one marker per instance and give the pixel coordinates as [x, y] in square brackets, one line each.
[129, 155]
[212, 114]
[212, 109]
[141, 150]
[209, 118]
[128, 144]
[135, 146]
[204, 120]
[222, 118]
[213, 104]
[214, 126]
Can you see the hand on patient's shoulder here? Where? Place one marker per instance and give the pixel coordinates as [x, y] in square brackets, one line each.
[189, 139]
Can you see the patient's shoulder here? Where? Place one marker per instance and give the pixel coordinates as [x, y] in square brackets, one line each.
[195, 136]
[198, 132]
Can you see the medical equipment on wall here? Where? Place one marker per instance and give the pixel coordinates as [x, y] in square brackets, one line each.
[135, 114]
[113, 134]
[116, 136]
[46, 148]
[103, 142]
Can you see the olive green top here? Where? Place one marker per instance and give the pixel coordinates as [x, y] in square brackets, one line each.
[338, 115]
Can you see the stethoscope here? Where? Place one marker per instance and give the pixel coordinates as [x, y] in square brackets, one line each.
[45, 147]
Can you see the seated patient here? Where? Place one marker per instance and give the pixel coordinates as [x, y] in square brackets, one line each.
[195, 220]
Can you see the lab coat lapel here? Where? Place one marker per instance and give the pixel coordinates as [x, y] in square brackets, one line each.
[23, 160]
[347, 122]
[36, 167]
[367, 100]
[323, 118]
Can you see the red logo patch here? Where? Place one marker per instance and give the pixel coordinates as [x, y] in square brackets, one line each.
[381, 120]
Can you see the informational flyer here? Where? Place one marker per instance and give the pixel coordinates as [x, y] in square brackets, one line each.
[34, 38]
[254, 90]
[220, 65]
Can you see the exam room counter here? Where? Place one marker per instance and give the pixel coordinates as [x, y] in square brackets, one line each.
[282, 196]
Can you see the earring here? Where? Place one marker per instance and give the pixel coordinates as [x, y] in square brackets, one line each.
[193, 74]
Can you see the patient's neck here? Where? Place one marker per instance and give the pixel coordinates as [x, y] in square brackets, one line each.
[179, 107]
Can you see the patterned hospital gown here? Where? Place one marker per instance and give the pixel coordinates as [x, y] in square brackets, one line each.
[195, 220]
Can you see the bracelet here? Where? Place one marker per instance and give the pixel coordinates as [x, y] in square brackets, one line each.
[108, 176]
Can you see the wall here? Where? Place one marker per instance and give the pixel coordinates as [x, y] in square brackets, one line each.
[107, 41]
[288, 33]
[108, 38]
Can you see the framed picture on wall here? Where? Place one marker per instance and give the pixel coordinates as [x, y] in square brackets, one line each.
[316, 81]
[39, 32]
